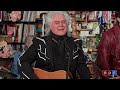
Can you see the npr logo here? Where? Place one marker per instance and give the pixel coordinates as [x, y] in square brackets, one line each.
[109, 73]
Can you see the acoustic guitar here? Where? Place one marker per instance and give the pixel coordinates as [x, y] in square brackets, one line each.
[42, 74]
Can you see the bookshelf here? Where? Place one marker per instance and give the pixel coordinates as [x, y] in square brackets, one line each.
[18, 29]
[9, 38]
[86, 24]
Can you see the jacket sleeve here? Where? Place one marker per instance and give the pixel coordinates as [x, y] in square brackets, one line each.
[82, 68]
[80, 63]
[25, 63]
[103, 57]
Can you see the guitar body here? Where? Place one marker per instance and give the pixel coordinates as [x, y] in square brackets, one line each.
[42, 74]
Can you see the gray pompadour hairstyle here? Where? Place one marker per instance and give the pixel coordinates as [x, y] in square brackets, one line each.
[52, 13]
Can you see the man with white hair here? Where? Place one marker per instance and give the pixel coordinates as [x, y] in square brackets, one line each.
[56, 52]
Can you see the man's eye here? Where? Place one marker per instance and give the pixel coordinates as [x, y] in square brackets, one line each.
[56, 22]
[64, 22]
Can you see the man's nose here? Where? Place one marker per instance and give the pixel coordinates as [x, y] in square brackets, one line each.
[61, 24]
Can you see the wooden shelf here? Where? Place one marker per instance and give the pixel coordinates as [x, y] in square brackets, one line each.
[84, 30]
[14, 43]
[18, 22]
[3, 36]
[94, 50]
[87, 20]
[91, 36]
[6, 59]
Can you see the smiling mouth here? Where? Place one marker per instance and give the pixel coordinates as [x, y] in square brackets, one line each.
[61, 29]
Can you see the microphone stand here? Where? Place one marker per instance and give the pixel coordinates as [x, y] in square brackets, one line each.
[68, 64]
[67, 57]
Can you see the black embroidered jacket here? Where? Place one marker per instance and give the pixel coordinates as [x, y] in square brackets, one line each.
[50, 54]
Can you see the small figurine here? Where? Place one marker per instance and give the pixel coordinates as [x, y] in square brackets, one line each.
[5, 50]
[15, 15]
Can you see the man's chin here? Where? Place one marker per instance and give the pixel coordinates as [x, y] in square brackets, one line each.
[61, 34]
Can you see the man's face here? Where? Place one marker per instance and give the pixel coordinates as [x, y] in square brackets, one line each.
[118, 18]
[58, 25]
